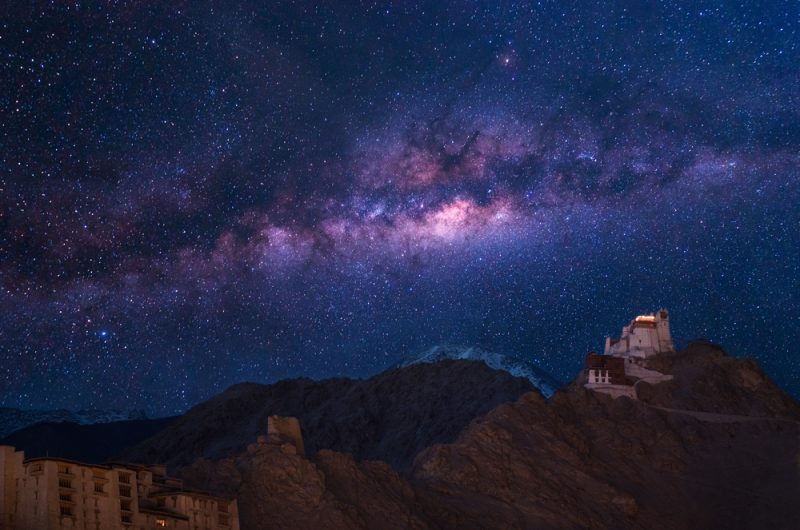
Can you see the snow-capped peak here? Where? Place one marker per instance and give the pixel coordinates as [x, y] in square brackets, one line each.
[516, 366]
[12, 420]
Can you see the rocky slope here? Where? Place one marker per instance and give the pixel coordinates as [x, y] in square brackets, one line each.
[518, 367]
[389, 417]
[730, 458]
[15, 419]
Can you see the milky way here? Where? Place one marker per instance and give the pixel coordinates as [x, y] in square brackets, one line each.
[196, 194]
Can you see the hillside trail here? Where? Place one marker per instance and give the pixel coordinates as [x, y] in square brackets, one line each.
[713, 417]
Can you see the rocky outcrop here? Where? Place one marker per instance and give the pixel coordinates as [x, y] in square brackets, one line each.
[588, 461]
[279, 488]
[706, 379]
[578, 460]
[389, 417]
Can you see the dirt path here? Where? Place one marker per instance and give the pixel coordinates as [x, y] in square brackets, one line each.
[713, 417]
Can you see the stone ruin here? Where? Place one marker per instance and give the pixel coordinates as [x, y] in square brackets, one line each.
[285, 432]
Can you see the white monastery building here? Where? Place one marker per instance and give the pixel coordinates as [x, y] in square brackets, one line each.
[645, 336]
[623, 363]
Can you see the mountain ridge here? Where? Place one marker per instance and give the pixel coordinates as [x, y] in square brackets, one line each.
[514, 365]
[389, 417]
[577, 460]
[13, 419]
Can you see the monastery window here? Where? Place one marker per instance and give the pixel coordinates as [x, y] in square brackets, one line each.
[223, 506]
[65, 510]
[99, 487]
[125, 506]
[124, 491]
[64, 483]
[125, 478]
[36, 468]
[66, 497]
[161, 523]
[126, 518]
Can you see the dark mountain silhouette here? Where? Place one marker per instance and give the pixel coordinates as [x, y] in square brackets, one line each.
[455, 444]
[716, 447]
[95, 443]
[516, 366]
[389, 417]
[12, 420]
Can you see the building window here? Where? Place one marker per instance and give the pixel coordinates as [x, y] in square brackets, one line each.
[222, 506]
[161, 502]
[36, 468]
[126, 518]
[161, 523]
[124, 491]
[125, 478]
[64, 483]
[65, 510]
[125, 506]
[64, 468]
[66, 497]
[99, 487]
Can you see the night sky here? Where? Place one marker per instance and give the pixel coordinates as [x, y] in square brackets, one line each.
[195, 194]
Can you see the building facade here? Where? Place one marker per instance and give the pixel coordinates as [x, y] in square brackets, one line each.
[624, 361]
[54, 493]
[605, 369]
[645, 336]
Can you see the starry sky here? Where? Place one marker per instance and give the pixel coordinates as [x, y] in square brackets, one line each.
[199, 193]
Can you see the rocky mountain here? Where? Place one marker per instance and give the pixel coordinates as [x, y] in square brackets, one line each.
[716, 447]
[389, 417]
[516, 366]
[15, 419]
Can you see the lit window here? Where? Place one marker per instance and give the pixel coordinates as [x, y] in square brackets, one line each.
[161, 523]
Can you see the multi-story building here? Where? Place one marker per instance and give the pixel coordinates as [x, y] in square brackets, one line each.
[54, 493]
[645, 336]
[624, 361]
